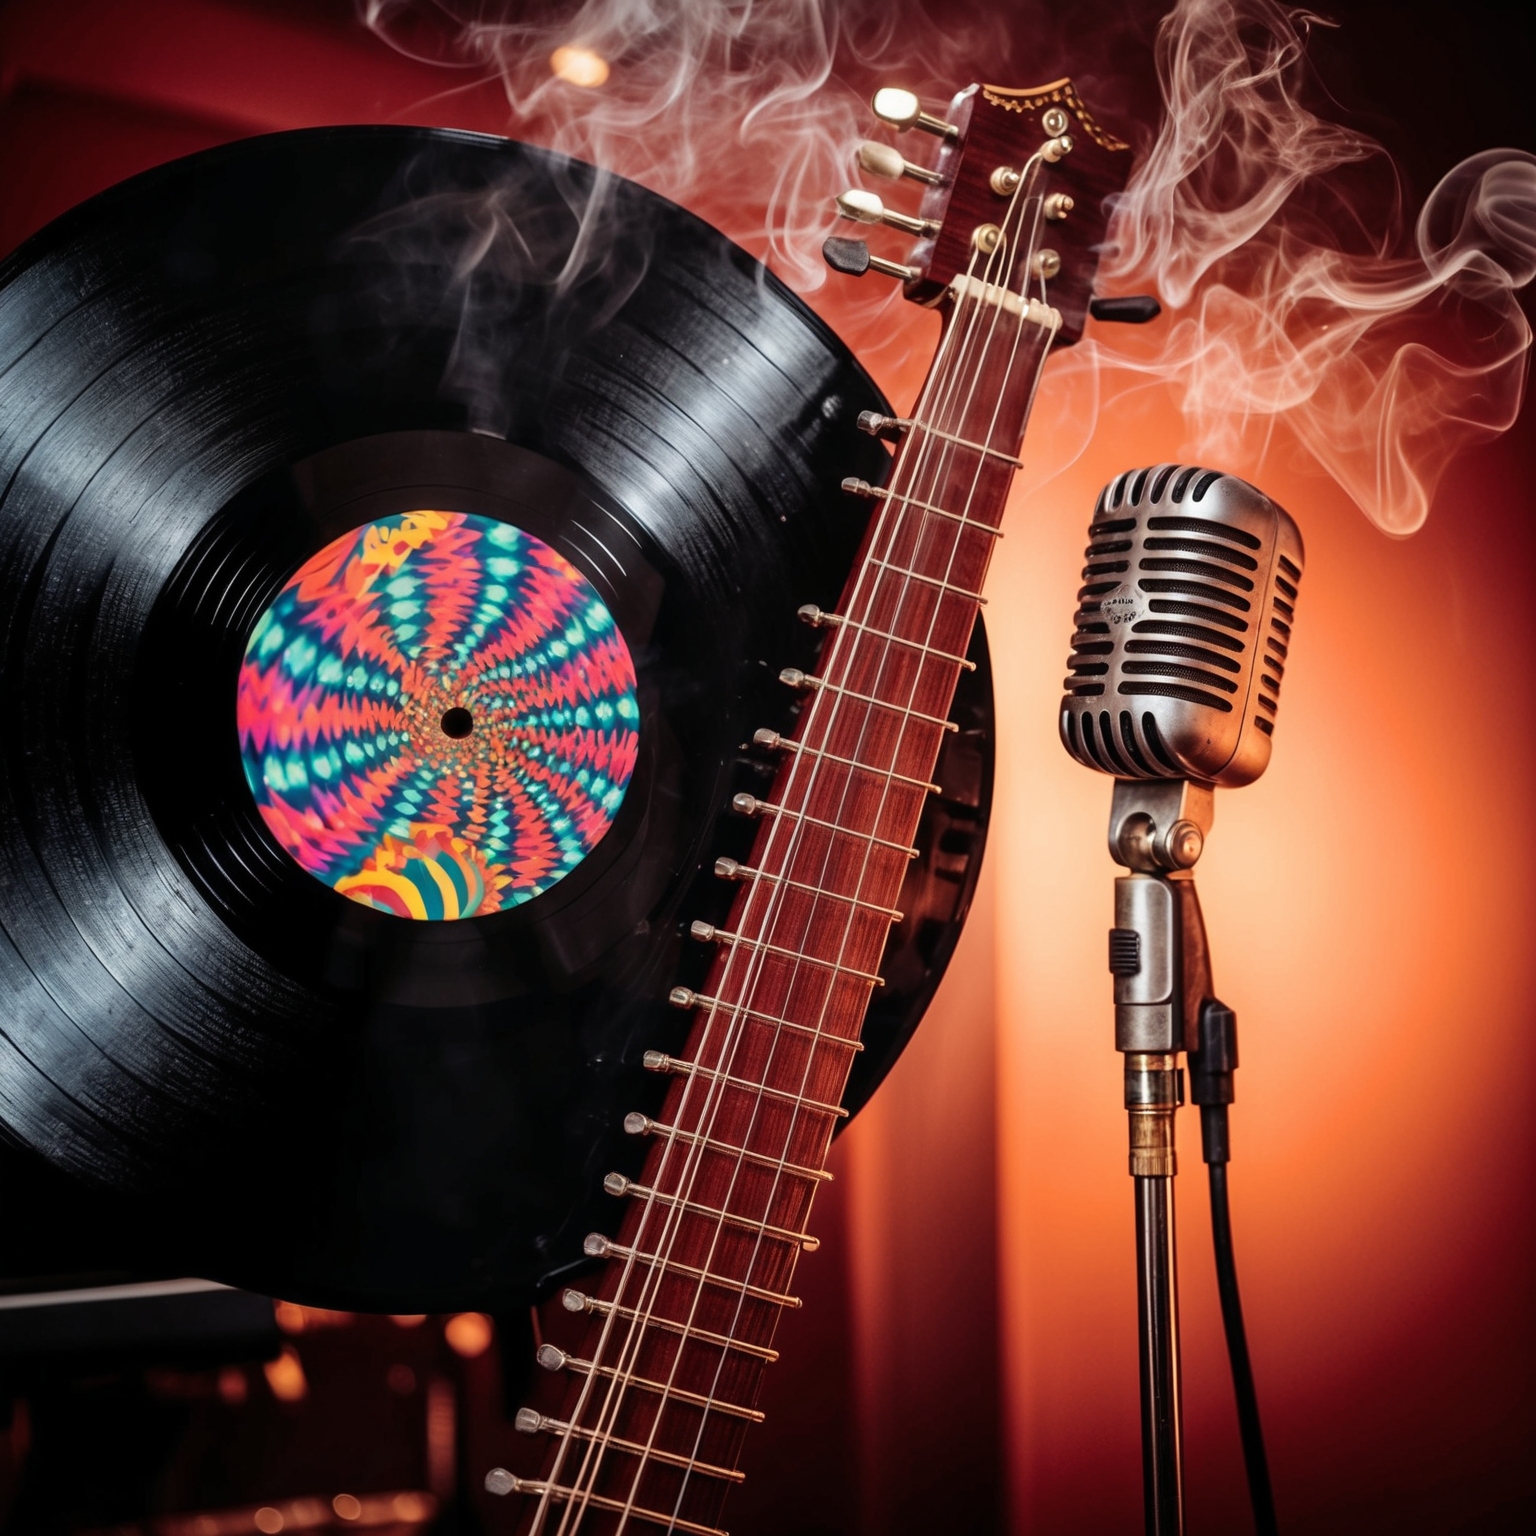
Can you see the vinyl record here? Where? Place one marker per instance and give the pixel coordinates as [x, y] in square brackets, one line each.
[401, 534]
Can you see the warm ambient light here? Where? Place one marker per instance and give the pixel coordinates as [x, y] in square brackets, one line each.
[285, 1376]
[579, 66]
[469, 1334]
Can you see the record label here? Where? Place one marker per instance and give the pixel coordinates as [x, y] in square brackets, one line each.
[438, 716]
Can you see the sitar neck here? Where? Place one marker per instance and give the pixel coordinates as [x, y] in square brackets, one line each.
[646, 1422]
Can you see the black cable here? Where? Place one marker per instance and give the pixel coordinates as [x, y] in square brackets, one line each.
[1210, 1082]
[1261, 1495]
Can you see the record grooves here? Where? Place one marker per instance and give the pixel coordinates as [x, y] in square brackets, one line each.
[216, 1060]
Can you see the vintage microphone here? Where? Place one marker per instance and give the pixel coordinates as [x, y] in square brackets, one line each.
[1183, 629]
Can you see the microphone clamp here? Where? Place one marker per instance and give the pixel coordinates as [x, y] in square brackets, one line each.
[1160, 825]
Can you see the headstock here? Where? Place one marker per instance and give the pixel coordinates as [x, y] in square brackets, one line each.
[1014, 195]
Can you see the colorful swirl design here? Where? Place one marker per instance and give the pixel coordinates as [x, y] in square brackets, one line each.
[437, 716]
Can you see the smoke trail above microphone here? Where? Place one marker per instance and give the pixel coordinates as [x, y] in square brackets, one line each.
[1277, 240]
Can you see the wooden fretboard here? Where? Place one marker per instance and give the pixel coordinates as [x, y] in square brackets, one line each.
[645, 1417]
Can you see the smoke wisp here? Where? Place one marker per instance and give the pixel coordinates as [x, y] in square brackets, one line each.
[1297, 297]
[1302, 301]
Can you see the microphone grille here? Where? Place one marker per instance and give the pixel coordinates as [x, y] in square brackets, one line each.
[1183, 627]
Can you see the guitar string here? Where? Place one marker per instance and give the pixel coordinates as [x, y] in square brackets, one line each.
[687, 1327]
[746, 906]
[688, 1173]
[742, 1300]
[973, 375]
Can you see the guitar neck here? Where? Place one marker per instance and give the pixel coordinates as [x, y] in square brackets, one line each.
[658, 1395]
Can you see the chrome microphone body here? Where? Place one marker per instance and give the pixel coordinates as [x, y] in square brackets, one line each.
[1183, 628]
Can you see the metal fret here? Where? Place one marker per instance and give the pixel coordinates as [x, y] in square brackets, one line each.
[857, 487]
[659, 1061]
[553, 1359]
[815, 616]
[685, 997]
[707, 933]
[597, 1501]
[636, 1124]
[777, 743]
[616, 1184]
[793, 677]
[531, 1422]
[746, 872]
[597, 1245]
[932, 581]
[750, 805]
[578, 1301]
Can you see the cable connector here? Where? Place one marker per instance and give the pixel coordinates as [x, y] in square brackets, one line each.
[1210, 1078]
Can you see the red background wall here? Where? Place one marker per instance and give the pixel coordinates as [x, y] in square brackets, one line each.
[966, 1356]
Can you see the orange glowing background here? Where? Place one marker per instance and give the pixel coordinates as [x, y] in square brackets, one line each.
[966, 1356]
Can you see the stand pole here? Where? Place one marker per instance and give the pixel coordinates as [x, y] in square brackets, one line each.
[1157, 1295]
[1153, 1092]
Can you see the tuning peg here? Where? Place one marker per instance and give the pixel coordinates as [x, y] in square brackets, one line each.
[882, 160]
[1133, 309]
[901, 110]
[868, 209]
[852, 257]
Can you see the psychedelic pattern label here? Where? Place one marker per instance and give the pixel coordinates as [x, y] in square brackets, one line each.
[437, 716]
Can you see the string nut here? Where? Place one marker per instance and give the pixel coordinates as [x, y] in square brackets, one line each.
[1045, 264]
[1058, 205]
[1004, 181]
[1054, 121]
[986, 238]
[1057, 148]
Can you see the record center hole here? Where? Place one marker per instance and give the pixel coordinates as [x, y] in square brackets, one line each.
[457, 722]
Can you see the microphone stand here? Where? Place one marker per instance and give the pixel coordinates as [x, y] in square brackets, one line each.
[1161, 966]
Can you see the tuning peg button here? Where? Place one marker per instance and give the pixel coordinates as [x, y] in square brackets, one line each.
[852, 257]
[902, 110]
[882, 160]
[1133, 309]
[864, 206]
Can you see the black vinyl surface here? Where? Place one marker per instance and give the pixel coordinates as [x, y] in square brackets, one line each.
[210, 1062]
